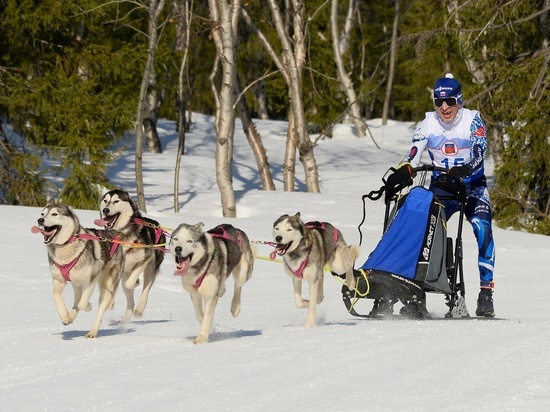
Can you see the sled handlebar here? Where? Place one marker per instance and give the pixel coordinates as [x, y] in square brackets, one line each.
[429, 168]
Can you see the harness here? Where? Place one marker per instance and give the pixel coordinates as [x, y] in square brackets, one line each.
[66, 268]
[299, 273]
[223, 235]
[218, 232]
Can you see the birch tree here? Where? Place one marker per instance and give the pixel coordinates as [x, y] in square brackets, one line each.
[224, 16]
[182, 11]
[291, 63]
[339, 45]
[391, 71]
[153, 12]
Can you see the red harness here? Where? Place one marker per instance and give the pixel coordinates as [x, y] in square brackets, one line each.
[223, 236]
[299, 273]
[66, 268]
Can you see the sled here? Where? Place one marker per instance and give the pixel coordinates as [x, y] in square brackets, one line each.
[415, 255]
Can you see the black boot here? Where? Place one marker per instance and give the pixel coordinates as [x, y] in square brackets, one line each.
[485, 306]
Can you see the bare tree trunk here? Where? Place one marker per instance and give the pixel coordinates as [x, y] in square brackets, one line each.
[255, 142]
[152, 107]
[347, 84]
[289, 165]
[153, 12]
[183, 24]
[224, 17]
[261, 98]
[293, 56]
[391, 72]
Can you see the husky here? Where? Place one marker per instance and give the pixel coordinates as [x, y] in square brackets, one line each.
[204, 260]
[140, 238]
[306, 249]
[82, 257]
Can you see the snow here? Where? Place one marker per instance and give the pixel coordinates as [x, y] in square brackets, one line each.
[266, 359]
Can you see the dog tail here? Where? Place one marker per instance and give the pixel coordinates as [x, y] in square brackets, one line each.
[354, 251]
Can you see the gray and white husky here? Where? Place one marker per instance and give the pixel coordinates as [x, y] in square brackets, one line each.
[82, 257]
[306, 249]
[140, 238]
[204, 260]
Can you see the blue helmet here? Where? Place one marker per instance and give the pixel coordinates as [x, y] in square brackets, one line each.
[448, 86]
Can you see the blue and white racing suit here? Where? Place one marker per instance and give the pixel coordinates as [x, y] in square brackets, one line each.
[461, 142]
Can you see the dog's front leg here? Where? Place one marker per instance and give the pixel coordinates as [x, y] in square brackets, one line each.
[298, 300]
[206, 324]
[129, 303]
[59, 304]
[313, 296]
[197, 305]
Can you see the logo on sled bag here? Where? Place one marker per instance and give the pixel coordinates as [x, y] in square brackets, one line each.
[429, 238]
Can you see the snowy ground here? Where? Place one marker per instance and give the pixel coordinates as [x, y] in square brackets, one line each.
[266, 359]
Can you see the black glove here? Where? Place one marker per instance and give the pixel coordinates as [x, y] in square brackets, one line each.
[401, 178]
[460, 172]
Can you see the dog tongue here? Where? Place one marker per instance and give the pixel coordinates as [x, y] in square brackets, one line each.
[36, 229]
[183, 266]
[100, 222]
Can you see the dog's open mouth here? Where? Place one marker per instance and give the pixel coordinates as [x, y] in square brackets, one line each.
[48, 232]
[182, 265]
[282, 248]
[108, 221]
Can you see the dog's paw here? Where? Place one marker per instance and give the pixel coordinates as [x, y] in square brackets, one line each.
[199, 340]
[127, 316]
[138, 313]
[303, 304]
[235, 310]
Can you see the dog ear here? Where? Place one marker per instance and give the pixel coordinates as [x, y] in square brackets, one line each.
[51, 202]
[297, 215]
[199, 226]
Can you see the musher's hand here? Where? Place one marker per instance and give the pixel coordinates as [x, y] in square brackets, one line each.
[401, 178]
[460, 172]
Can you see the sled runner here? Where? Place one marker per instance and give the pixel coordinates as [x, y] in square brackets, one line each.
[415, 254]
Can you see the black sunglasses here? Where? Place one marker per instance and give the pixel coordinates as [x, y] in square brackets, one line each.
[451, 101]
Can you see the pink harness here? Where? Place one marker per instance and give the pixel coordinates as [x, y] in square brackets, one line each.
[66, 268]
[224, 236]
[299, 273]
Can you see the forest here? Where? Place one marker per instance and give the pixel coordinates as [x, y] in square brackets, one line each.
[77, 76]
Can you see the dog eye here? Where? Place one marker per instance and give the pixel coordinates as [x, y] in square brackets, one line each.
[190, 241]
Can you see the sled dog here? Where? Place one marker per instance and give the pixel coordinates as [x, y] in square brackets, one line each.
[306, 249]
[138, 236]
[82, 257]
[204, 260]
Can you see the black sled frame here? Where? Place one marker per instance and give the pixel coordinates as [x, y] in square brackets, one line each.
[387, 289]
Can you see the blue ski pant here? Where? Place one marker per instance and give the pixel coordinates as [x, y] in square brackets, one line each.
[478, 213]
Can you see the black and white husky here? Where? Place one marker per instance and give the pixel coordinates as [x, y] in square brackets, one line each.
[204, 260]
[306, 249]
[82, 257]
[140, 238]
